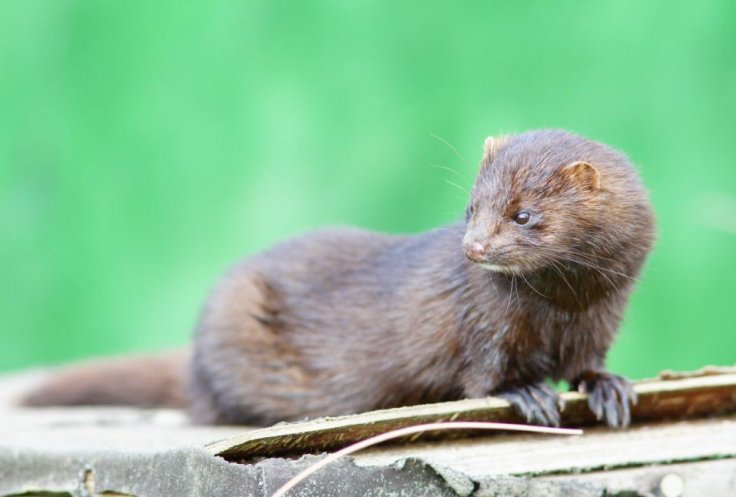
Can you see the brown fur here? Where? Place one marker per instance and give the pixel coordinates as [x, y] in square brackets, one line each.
[342, 320]
[154, 380]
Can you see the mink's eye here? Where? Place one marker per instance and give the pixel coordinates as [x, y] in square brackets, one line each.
[521, 218]
[471, 210]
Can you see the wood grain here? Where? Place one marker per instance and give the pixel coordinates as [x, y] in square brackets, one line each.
[707, 392]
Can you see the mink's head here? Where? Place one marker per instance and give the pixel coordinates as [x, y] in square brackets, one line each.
[548, 198]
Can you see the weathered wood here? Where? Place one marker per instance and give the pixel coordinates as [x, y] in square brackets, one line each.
[599, 449]
[687, 395]
[700, 455]
[151, 452]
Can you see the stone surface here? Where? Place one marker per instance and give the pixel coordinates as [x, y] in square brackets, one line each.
[192, 472]
[88, 452]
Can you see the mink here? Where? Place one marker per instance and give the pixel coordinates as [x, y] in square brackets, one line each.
[530, 286]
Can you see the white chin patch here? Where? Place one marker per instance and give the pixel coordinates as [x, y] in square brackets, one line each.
[496, 268]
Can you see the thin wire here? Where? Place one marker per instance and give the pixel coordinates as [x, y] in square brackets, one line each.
[402, 432]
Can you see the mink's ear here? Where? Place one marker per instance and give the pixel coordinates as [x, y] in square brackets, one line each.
[491, 147]
[581, 174]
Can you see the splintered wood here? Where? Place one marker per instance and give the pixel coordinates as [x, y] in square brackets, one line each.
[708, 392]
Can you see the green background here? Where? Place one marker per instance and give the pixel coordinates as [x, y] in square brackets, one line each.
[146, 145]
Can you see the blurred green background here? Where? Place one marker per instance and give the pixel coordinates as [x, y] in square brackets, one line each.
[145, 146]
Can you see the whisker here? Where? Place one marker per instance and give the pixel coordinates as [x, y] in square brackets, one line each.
[562, 275]
[582, 259]
[493, 280]
[597, 269]
[532, 287]
[466, 192]
[451, 148]
[511, 293]
[438, 166]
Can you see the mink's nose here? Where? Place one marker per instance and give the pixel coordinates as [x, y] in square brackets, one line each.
[475, 251]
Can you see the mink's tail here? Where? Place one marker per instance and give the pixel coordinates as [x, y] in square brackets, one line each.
[146, 381]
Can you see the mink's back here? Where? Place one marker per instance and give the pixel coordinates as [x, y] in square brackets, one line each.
[334, 321]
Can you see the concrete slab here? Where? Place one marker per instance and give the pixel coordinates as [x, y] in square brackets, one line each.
[94, 451]
[91, 452]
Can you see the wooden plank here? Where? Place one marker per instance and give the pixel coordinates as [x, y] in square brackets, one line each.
[684, 395]
[599, 448]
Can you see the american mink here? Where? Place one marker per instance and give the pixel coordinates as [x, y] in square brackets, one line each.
[531, 285]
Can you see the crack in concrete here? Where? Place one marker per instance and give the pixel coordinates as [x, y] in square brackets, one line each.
[642, 464]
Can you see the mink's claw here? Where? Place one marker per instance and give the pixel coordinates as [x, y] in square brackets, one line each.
[537, 403]
[609, 397]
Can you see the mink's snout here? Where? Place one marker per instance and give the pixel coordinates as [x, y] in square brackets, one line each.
[494, 253]
[475, 251]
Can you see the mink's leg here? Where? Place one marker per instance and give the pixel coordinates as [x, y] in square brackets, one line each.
[538, 403]
[609, 396]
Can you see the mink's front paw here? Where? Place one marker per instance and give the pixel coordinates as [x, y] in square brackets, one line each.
[537, 403]
[609, 397]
